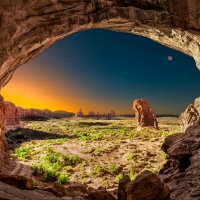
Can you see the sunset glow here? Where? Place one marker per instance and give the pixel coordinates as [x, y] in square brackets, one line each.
[99, 70]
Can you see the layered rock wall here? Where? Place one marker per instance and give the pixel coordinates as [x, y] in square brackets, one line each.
[181, 171]
[3, 143]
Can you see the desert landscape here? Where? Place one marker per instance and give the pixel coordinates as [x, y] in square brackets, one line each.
[95, 152]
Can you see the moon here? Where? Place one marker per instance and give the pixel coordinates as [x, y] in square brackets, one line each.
[169, 58]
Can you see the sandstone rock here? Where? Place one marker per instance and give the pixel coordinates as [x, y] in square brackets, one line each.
[12, 114]
[197, 104]
[122, 188]
[11, 193]
[79, 113]
[181, 171]
[21, 112]
[111, 113]
[188, 117]
[20, 182]
[144, 114]
[97, 195]
[77, 187]
[59, 190]
[3, 143]
[147, 186]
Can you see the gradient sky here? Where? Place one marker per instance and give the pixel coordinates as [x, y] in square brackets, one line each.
[101, 70]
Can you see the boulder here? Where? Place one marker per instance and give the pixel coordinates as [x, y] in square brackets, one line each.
[181, 171]
[100, 195]
[147, 186]
[121, 193]
[11, 193]
[144, 114]
[12, 114]
[188, 117]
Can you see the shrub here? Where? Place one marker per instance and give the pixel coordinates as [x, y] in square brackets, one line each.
[131, 173]
[51, 175]
[119, 177]
[132, 156]
[23, 153]
[113, 168]
[49, 150]
[63, 179]
[52, 158]
[37, 170]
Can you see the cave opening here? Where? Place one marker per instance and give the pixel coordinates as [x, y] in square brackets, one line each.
[98, 66]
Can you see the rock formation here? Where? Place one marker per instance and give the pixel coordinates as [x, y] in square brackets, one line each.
[144, 114]
[197, 104]
[33, 113]
[3, 143]
[79, 113]
[146, 185]
[181, 171]
[188, 117]
[111, 113]
[12, 114]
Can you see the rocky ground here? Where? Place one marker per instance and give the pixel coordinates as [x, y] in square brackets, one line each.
[95, 152]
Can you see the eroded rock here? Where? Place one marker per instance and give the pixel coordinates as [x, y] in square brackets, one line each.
[147, 186]
[12, 114]
[9, 193]
[197, 104]
[188, 117]
[144, 114]
[3, 143]
[181, 171]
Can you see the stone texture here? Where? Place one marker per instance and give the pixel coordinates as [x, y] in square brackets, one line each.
[21, 112]
[12, 114]
[147, 186]
[122, 188]
[20, 182]
[181, 171]
[197, 104]
[188, 117]
[29, 27]
[100, 195]
[3, 143]
[144, 114]
[9, 193]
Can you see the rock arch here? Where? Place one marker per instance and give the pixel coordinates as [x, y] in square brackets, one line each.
[28, 27]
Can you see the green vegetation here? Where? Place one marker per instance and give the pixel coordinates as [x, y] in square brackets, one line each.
[119, 177]
[113, 168]
[87, 149]
[23, 153]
